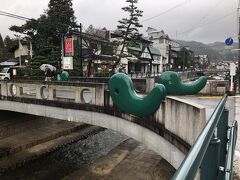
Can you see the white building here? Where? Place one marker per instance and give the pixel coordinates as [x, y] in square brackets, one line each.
[162, 42]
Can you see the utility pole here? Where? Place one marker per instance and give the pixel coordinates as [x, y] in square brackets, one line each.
[183, 68]
[81, 62]
[20, 49]
[238, 24]
[62, 52]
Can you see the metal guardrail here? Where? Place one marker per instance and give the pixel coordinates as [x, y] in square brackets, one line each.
[231, 148]
[209, 150]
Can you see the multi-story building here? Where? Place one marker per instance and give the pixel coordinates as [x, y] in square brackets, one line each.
[140, 58]
[165, 45]
[201, 61]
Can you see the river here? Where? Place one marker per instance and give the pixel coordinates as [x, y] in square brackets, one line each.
[69, 158]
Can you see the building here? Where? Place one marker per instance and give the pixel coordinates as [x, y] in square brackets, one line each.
[140, 58]
[201, 61]
[24, 51]
[165, 45]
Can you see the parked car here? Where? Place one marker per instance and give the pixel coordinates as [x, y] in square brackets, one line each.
[7, 73]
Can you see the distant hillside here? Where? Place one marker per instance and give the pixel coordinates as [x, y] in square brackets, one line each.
[225, 53]
[215, 51]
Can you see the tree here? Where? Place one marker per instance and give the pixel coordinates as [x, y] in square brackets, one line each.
[1, 42]
[6, 48]
[46, 32]
[2, 49]
[10, 44]
[61, 17]
[185, 58]
[128, 28]
[99, 32]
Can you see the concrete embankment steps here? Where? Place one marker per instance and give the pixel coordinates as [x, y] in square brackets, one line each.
[13, 126]
[28, 155]
[33, 132]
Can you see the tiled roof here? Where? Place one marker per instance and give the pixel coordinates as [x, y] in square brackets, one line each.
[135, 49]
[154, 51]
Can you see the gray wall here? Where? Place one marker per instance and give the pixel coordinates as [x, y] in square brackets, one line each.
[215, 88]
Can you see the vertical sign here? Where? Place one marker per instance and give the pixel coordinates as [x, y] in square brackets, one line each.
[232, 73]
[232, 69]
[68, 63]
[68, 47]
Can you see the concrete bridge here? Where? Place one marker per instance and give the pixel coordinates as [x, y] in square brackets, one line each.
[171, 131]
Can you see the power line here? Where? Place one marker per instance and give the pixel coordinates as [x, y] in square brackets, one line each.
[3, 13]
[209, 12]
[167, 11]
[210, 22]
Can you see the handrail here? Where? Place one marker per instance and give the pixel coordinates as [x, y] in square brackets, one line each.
[230, 153]
[193, 159]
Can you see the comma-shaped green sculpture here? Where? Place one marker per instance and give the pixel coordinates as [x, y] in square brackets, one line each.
[174, 85]
[125, 97]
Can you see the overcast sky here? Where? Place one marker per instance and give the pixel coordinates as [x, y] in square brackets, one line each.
[199, 20]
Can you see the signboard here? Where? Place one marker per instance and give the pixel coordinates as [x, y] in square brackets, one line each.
[232, 69]
[68, 47]
[232, 73]
[67, 62]
[229, 41]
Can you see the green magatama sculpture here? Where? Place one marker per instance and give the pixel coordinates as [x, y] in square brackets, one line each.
[174, 85]
[64, 76]
[125, 97]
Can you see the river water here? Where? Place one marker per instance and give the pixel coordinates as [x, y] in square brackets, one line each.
[69, 158]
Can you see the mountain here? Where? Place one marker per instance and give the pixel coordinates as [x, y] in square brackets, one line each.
[217, 51]
[224, 51]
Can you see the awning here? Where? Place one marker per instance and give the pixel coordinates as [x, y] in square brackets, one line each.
[6, 63]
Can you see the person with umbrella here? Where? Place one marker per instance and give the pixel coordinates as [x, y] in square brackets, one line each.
[48, 74]
[48, 71]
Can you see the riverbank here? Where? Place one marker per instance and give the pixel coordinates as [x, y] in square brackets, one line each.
[129, 160]
[54, 149]
[43, 148]
[24, 138]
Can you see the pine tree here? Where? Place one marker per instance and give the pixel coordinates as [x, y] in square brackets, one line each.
[46, 32]
[2, 49]
[128, 27]
[1, 42]
[61, 17]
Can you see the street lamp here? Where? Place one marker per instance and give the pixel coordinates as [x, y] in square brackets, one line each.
[238, 23]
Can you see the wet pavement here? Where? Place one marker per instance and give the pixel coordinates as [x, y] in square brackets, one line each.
[211, 102]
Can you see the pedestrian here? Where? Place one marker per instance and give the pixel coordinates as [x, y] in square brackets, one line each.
[48, 74]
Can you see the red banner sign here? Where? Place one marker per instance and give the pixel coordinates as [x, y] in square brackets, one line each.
[68, 46]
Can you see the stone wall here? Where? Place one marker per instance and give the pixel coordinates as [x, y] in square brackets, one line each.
[142, 85]
[215, 88]
[184, 118]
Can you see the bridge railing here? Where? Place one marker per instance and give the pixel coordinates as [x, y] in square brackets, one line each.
[209, 151]
[80, 93]
[231, 148]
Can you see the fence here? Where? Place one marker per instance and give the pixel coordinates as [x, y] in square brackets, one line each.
[213, 150]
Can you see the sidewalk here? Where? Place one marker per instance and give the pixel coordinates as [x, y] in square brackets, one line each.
[236, 163]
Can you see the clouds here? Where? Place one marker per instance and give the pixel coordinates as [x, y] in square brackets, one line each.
[187, 14]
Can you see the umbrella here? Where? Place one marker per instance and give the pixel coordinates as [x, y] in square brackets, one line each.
[43, 67]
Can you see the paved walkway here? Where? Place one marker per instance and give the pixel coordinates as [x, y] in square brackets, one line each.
[237, 152]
